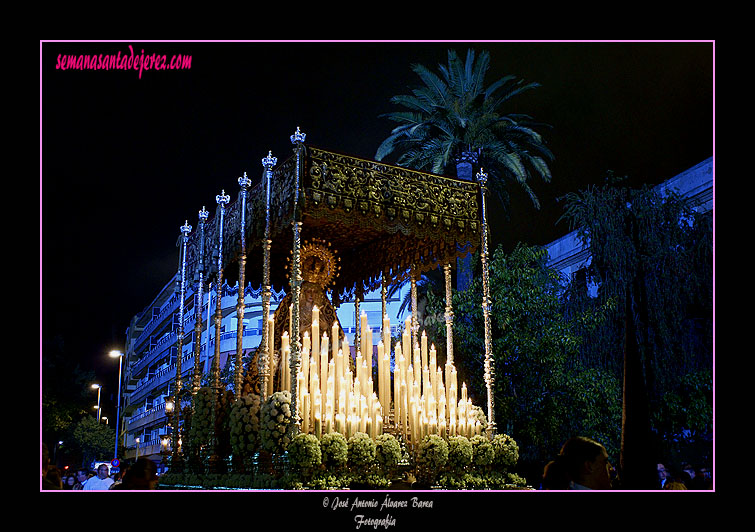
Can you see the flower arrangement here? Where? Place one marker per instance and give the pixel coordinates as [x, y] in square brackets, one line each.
[387, 453]
[459, 453]
[244, 427]
[506, 451]
[201, 420]
[335, 450]
[304, 453]
[432, 456]
[482, 451]
[276, 423]
[361, 451]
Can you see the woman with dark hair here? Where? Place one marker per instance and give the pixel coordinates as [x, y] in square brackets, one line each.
[140, 476]
[582, 464]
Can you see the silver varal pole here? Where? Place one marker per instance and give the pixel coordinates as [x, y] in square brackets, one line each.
[244, 183]
[185, 230]
[482, 179]
[197, 378]
[298, 140]
[222, 200]
[263, 359]
[449, 315]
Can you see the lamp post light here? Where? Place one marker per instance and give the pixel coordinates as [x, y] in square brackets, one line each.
[99, 392]
[164, 452]
[55, 452]
[120, 355]
[105, 418]
[166, 441]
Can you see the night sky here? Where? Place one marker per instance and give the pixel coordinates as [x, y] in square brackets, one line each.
[125, 161]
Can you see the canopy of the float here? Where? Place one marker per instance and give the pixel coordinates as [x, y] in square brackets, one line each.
[381, 220]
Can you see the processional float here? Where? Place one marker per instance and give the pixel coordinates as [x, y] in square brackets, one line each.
[328, 227]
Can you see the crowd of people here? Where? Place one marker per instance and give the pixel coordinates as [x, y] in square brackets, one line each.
[583, 464]
[686, 478]
[141, 475]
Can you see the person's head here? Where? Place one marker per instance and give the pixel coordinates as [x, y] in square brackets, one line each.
[70, 481]
[662, 473]
[102, 471]
[585, 461]
[81, 475]
[689, 470]
[142, 475]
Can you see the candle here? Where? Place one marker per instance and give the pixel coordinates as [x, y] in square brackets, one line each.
[342, 397]
[381, 386]
[400, 362]
[324, 364]
[270, 353]
[363, 333]
[423, 349]
[396, 393]
[368, 346]
[305, 342]
[432, 366]
[334, 333]
[346, 352]
[387, 332]
[318, 425]
[305, 411]
[366, 379]
[358, 366]
[386, 398]
[340, 423]
[305, 366]
[316, 334]
[417, 364]
[338, 369]
[426, 381]
[406, 338]
[300, 392]
[285, 369]
[402, 406]
[314, 390]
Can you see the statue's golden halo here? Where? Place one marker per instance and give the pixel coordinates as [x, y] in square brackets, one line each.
[319, 263]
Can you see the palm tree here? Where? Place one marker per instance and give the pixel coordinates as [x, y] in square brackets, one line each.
[454, 120]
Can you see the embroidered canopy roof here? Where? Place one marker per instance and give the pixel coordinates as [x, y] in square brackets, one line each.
[378, 218]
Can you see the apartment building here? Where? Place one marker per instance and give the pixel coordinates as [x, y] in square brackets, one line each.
[570, 256]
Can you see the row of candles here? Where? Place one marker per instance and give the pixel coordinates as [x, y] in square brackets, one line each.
[333, 398]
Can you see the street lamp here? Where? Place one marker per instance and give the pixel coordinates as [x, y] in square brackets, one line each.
[118, 354]
[99, 391]
[55, 452]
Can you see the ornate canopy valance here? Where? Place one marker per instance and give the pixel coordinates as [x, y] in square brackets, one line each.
[379, 218]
